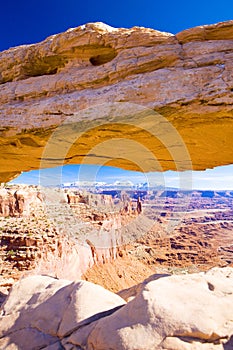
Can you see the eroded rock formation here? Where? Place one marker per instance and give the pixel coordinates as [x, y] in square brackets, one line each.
[164, 312]
[34, 238]
[187, 78]
[18, 202]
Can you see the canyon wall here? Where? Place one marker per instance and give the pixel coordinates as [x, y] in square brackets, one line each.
[17, 202]
[64, 242]
[185, 80]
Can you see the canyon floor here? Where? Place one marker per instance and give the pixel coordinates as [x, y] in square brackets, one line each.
[187, 233]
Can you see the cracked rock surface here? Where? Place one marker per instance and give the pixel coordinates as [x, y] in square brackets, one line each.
[179, 312]
[186, 78]
[42, 310]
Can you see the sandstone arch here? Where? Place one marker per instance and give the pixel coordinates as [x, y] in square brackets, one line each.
[185, 77]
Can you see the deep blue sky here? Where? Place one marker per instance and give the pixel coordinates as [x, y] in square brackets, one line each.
[29, 21]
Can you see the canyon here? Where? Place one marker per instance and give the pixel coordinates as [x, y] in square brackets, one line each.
[177, 231]
[57, 309]
[134, 270]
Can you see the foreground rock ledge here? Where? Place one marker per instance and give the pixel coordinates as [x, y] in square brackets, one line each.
[164, 312]
[187, 78]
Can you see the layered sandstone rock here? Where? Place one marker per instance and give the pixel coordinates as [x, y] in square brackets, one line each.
[17, 202]
[60, 233]
[102, 201]
[95, 229]
[190, 312]
[187, 78]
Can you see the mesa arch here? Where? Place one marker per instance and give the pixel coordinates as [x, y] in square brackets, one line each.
[187, 78]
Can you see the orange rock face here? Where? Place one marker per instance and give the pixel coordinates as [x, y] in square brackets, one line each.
[187, 78]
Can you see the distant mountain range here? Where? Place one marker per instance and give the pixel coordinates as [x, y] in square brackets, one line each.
[143, 188]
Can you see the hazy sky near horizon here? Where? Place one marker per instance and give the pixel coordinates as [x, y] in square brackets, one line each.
[220, 178]
[26, 22]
